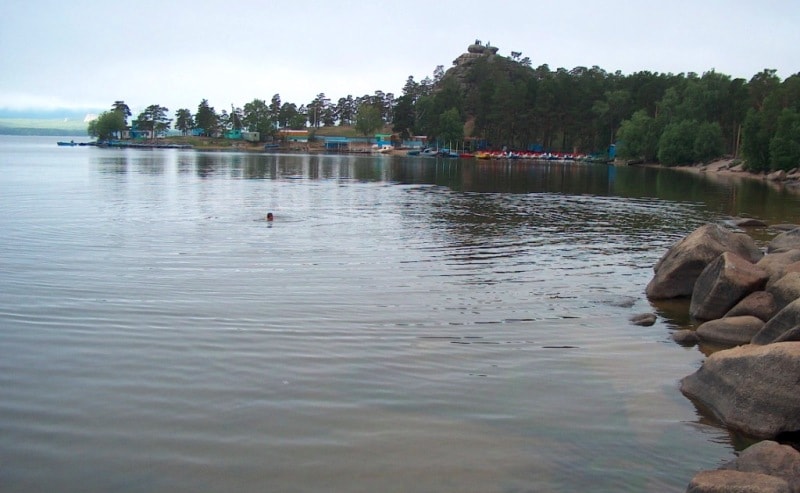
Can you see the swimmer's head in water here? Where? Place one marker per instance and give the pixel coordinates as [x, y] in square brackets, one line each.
[269, 216]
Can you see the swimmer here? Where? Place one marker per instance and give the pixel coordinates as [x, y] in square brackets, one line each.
[269, 216]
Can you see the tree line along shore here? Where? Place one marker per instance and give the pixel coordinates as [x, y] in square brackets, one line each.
[493, 101]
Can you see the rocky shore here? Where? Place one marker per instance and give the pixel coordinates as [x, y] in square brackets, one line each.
[734, 168]
[746, 300]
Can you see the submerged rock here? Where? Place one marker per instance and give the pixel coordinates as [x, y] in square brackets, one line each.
[747, 222]
[751, 388]
[784, 227]
[685, 337]
[643, 319]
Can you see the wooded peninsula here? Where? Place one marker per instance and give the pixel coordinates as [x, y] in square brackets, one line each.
[490, 101]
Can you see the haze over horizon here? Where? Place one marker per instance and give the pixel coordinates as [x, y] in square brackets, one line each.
[58, 60]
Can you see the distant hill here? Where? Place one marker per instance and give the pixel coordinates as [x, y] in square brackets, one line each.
[39, 126]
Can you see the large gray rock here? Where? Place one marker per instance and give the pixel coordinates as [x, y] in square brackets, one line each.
[722, 284]
[785, 241]
[728, 481]
[730, 331]
[679, 268]
[784, 321]
[786, 289]
[751, 388]
[775, 263]
[760, 304]
[772, 458]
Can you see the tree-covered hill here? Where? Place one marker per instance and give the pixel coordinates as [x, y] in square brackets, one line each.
[670, 118]
[487, 99]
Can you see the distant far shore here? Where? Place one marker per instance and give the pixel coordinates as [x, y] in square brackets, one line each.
[43, 127]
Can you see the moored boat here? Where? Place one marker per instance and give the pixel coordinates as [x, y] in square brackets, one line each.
[429, 152]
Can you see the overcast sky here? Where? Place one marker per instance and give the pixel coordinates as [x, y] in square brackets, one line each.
[87, 54]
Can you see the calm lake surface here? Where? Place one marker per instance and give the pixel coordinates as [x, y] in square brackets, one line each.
[405, 324]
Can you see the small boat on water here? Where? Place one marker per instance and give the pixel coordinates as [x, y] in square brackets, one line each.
[446, 152]
[429, 152]
[71, 143]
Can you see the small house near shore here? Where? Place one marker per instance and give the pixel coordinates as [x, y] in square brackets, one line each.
[294, 135]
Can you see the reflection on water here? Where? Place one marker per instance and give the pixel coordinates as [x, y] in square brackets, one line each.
[403, 324]
[725, 195]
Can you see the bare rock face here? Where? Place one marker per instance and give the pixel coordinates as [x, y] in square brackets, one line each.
[785, 241]
[679, 268]
[725, 481]
[760, 304]
[779, 325]
[785, 290]
[772, 458]
[722, 284]
[730, 331]
[751, 388]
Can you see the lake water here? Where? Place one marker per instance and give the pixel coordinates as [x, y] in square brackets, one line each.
[405, 324]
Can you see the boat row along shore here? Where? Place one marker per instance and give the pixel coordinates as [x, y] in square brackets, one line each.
[745, 300]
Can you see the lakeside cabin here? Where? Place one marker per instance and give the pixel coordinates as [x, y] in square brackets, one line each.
[297, 136]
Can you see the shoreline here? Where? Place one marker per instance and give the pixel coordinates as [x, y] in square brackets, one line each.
[730, 167]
